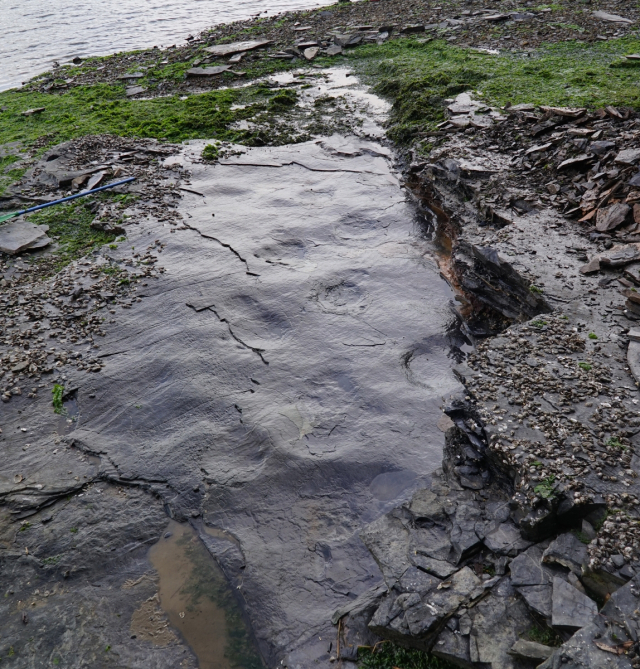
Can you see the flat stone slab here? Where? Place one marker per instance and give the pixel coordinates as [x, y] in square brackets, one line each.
[18, 236]
[568, 551]
[236, 47]
[207, 71]
[530, 650]
[613, 18]
[570, 608]
[633, 359]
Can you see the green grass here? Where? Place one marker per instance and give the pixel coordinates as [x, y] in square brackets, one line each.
[53, 559]
[389, 656]
[418, 76]
[70, 225]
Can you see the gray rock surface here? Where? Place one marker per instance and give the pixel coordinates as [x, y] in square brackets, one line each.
[530, 650]
[567, 550]
[18, 235]
[570, 608]
[288, 383]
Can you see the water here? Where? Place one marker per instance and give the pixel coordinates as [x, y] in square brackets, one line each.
[196, 596]
[35, 33]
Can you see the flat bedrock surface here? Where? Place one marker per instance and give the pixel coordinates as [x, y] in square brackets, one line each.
[281, 380]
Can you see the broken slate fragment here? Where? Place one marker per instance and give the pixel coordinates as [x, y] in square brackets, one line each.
[19, 236]
[207, 71]
[633, 359]
[580, 162]
[611, 217]
[424, 617]
[612, 18]
[568, 551]
[131, 77]
[31, 112]
[628, 156]
[527, 569]
[334, 50]
[311, 52]
[619, 256]
[506, 540]
[130, 91]
[439, 568]
[600, 148]
[569, 607]
[530, 650]
[538, 598]
[236, 47]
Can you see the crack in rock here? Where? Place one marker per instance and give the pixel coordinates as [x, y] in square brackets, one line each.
[226, 246]
[257, 351]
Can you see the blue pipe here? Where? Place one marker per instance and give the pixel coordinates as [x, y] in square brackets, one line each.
[73, 197]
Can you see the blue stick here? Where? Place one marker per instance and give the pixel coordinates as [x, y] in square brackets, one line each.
[66, 199]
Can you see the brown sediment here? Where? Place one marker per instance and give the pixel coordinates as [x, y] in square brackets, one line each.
[200, 620]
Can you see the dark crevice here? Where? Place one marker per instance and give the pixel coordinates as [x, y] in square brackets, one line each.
[226, 246]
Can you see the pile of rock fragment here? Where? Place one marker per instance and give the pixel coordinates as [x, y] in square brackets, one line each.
[51, 321]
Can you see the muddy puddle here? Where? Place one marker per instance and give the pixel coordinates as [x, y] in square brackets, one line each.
[199, 603]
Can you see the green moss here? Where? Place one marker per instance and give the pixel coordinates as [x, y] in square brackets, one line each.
[592, 335]
[614, 442]
[70, 225]
[585, 365]
[103, 108]
[286, 98]
[546, 489]
[53, 559]
[389, 656]
[57, 393]
[417, 76]
[544, 635]
[210, 152]
[535, 289]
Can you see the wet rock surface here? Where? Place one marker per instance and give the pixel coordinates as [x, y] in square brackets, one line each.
[547, 426]
[242, 385]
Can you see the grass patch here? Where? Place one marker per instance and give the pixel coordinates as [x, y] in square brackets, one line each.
[389, 656]
[103, 108]
[535, 289]
[70, 225]
[538, 323]
[417, 76]
[51, 560]
[210, 153]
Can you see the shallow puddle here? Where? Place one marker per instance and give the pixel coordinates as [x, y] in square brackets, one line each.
[196, 596]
